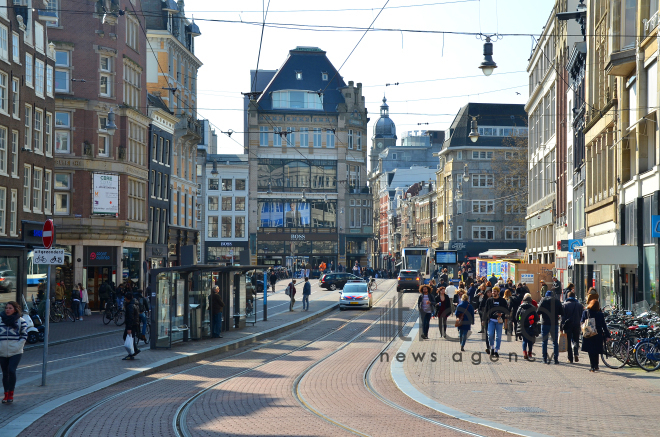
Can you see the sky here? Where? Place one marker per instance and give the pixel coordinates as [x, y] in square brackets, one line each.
[444, 68]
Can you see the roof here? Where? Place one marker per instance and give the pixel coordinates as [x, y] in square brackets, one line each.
[405, 177]
[312, 62]
[222, 158]
[487, 114]
[157, 102]
[385, 127]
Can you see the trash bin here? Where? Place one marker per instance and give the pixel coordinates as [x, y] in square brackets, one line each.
[195, 322]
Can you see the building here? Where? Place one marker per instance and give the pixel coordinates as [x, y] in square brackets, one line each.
[101, 141]
[481, 184]
[226, 213]
[161, 138]
[207, 145]
[172, 75]
[307, 148]
[27, 109]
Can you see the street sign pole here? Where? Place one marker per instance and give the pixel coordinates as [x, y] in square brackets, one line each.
[265, 295]
[44, 367]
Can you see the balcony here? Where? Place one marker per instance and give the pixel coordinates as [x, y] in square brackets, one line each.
[189, 128]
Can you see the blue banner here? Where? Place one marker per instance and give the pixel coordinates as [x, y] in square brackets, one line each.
[655, 226]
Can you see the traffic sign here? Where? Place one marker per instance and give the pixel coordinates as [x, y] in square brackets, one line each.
[49, 256]
[48, 234]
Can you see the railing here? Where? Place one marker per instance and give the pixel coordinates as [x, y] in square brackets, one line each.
[650, 24]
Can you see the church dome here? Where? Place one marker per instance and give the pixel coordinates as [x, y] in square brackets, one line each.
[384, 127]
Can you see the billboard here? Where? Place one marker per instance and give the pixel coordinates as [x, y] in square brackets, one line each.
[105, 197]
[446, 257]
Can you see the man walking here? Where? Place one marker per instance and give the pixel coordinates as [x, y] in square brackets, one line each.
[307, 290]
[132, 324]
[273, 279]
[556, 287]
[217, 306]
[143, 307]
[356, 269]
[570, 324]
[291, 292]
[550, 310]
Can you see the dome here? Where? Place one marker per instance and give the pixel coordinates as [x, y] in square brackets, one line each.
[385, 127]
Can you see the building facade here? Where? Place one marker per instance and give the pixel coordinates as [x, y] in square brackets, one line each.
[307, 148]
[27, 110]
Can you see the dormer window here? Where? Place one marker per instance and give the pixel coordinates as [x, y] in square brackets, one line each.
[324, 76]
[298, 75]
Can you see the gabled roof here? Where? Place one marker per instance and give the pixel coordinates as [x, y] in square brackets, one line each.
[157, 102]
[311, 62]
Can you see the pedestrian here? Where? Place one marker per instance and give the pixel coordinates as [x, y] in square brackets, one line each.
[514, 304]
[59, 292]
[527, 325]
[356, 269]
[450, 290]
[570, 324]
[273, 279]
[132, 324]
[556, 287]
[332, 266]
[464, 319]
[594, 345]
[307, 290]
[104, 295]
[550, 310]
[143, 307]
[509, 304]
[483, 298]
[444, 277]
[568, 289]
[291, 292]
[84, 300]
[13, 333]
[443, 309]
[525, 288]
[492, 280]
[216, 307]
[544, 288]
[472, 290]
[434, 286]
[425, 304]
[592, 295]
[76, 298]
[495, 312]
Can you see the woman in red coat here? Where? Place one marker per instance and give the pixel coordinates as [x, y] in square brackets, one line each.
[443, 310]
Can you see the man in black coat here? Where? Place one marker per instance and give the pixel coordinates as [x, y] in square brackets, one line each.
[550, 310]
[132, 326]
[570, 324]
[556, 287]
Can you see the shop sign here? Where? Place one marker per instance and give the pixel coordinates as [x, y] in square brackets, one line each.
[297, 237]
[105, 194]
[100, 256]
[226, 244]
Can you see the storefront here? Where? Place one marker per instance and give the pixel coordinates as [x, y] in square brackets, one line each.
[298, 249]
[227, 252]
[178, 238]
[99, 265]
[156, 255]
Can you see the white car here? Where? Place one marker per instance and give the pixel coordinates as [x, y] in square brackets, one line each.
[355, 294]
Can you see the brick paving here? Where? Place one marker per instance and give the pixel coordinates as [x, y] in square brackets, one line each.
[575, 401]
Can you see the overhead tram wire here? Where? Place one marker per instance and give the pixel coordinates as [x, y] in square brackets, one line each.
[261, 40]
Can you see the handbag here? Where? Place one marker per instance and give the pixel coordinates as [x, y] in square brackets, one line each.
[128, 344]
[88, 311]
[589, 327]
[563, 343]
[459, 320]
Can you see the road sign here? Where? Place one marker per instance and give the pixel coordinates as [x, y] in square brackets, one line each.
[49, 256]
[48, 234]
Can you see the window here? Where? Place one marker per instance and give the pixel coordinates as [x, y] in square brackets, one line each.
[48, 133]
[298, 99]
[3, 210]
[132, 32]
[213, 203]
[393, 155]
[105, 85]
[226, 203]
[226, 227]
[513, 207]
[105, 64]
[483, 232]
[166, 158]
[482, 181]
[136, 200]
[39, 36]
[27, 183]
[62, 71]
[13, 212]
[14, 153]
[4, 43]
[47, 190]
[29, 71]
[512, 181]
[62, 120]
[240, 184]
[459, 155]
[4, 93]
[38, 118]
[277, 136]
[291, 137]
[165, 187]
[36, 190]
[350, 138]
[132, 74]
[226, 185]
[304, 137]
[212, 229]
[298, 75]
[39, 78]
[459, 232]
[239, 204]
[515, 233]
[483, 206]
[53, 6]
[27, 143]
[481, 155]
[214, 184]
[15, 48]
[317, 137]
[3, 151]
[329, 139]
[239, 227]
[137, 146]
[263, 136]
[324, 76]
[15, 101]
[358, 140]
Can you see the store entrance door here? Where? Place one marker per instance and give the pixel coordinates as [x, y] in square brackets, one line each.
[95, 276]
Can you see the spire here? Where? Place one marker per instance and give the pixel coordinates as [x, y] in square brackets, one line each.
[384, 109]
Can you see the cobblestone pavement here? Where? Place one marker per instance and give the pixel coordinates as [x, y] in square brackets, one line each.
[565, 399]
[83, 364]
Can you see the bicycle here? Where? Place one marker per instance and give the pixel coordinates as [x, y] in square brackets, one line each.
[113, 313]
[647, 354]
[60, 311]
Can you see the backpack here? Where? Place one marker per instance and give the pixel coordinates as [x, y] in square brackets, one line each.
[141, 304]
[76, 294]
[290, 289]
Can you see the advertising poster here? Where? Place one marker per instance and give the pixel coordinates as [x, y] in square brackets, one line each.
[505, 270]
[106, 194]
[512, 271]
[482, 268]
[498, 269]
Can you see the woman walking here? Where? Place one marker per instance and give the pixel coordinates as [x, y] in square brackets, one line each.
[465, 319]
[13, 333]
[443, 308]
[527, 321]
[594, 345]
[425, 304]
[496, 312]
[84, 301]
[509, 323]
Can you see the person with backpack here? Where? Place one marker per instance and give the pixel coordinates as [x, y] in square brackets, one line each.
[76, 298]
[550, 310]
[570, 324]
[514, 303]
[143, 306]
[527, 325]
[291, 292]
[307, 290]
[564, 294]
[273, 279]
[464, 319]
[132, 324]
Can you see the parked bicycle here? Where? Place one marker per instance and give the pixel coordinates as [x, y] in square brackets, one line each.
[59, 312]
[113, 313]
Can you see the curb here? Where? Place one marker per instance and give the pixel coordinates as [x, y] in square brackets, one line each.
[20, 423]
[406, 387]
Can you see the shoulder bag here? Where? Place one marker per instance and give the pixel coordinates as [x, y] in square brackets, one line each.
[589, 326]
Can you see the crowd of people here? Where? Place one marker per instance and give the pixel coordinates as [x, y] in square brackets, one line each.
[503, 306]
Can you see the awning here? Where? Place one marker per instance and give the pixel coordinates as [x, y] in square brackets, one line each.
[498, 252]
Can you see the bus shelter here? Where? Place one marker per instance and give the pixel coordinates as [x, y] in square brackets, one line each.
[179, 301]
